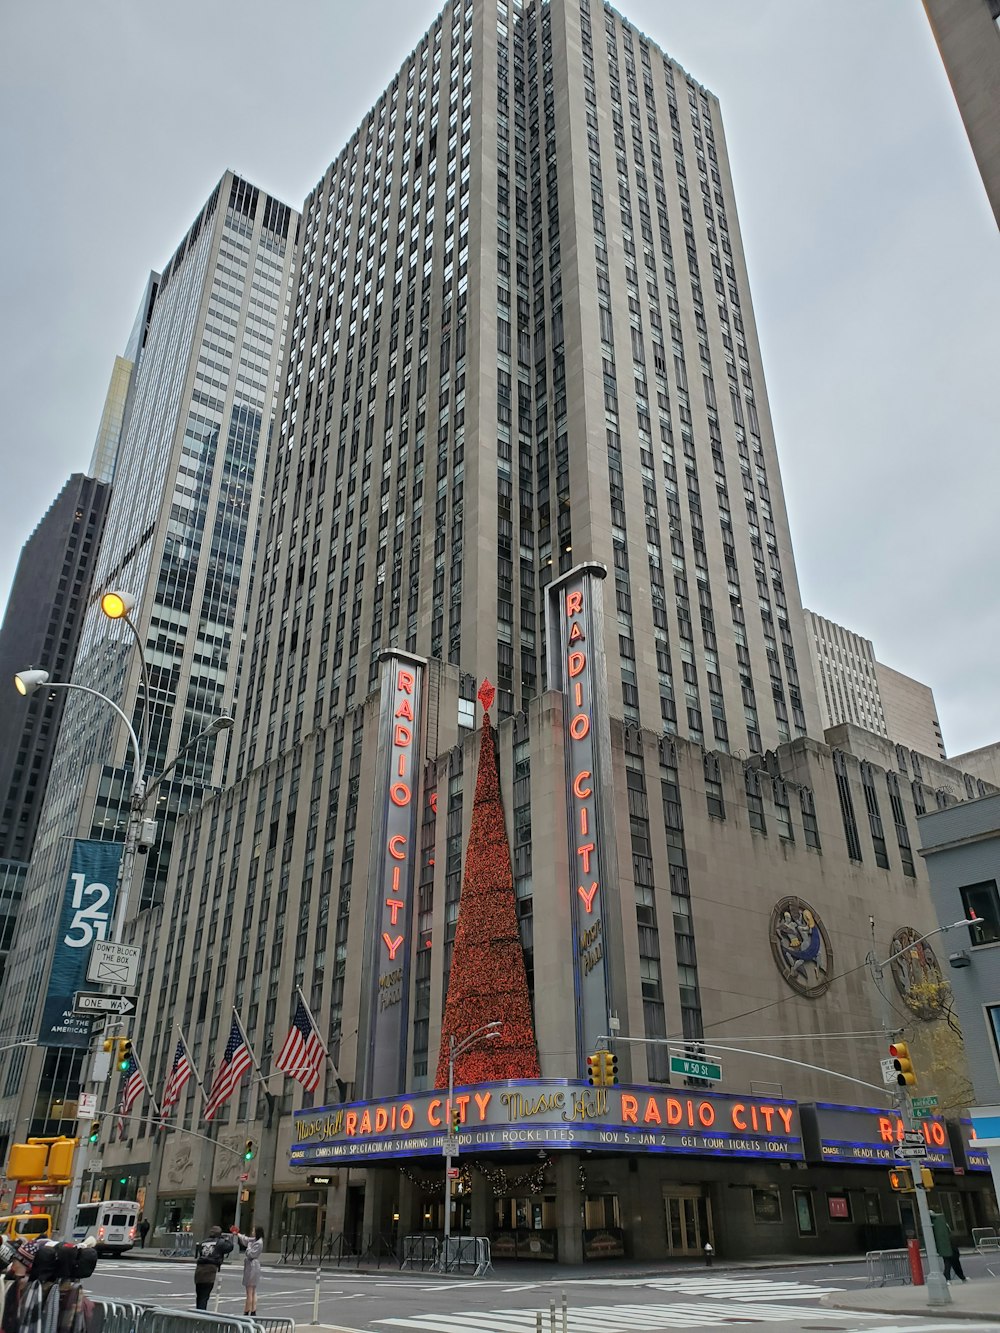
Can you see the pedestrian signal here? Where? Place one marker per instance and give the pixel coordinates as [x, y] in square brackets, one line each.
[609, 1068]
[109, 1045]
[595, 1070]
[901, 1179]
[95, 1133]
[899, 1053]
[249, 1151]
[124, 1054]
[927, 1177]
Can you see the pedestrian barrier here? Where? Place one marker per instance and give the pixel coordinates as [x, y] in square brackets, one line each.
[178, 1243]
[267, 1325]
[338, 1249]
[987, 1244]
[466, 1254]
[131, 1317]
[420, 1252]
[888, 1268]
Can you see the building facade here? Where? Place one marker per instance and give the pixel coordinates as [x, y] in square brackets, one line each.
[181, 527]
[854, 688]
[42, 624]
[968, 38]
[572, 490]
[961, 846]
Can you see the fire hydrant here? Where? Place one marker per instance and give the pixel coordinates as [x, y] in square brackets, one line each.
[709, 1255]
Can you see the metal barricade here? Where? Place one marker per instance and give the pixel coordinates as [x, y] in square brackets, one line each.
[888, 1268]
[420, 1252]
[466, 1254]
[131, 1317]
[267, 1325]
[179, 1244]
[116, 1316]
[987, 1245]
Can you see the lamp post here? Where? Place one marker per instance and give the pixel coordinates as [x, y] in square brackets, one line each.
[28, 683]
[484, 1033]
[937, 1287]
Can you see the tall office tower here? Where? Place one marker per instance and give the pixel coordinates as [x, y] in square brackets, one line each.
[853, 687]
[119, 398]
[967, 33]
[41, 625]
[180, 535]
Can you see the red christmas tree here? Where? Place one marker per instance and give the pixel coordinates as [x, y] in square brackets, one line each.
[488, 980]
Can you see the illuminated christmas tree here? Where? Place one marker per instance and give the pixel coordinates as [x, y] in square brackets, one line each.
[488, 980]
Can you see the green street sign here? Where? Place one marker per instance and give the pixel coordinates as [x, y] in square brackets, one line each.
[923, 1113]
[923, 1103]
[680, 1064]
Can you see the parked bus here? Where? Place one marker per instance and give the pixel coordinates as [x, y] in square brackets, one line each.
[113, 1223]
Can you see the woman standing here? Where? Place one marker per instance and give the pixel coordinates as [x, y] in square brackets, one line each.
[253, 1248]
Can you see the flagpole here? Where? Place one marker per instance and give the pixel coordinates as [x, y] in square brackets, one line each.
[148, 1086]
[246, 1043]
[314, 1025]
[190, 1060]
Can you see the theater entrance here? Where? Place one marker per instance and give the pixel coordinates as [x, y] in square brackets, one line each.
[689, 1222]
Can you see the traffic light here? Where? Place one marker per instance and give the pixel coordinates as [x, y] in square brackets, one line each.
[899, 1053]
[95, 1133]
[27, 1161]
[124, 1054]
[609, 1068]
[60, 1164]
[595, 1070]
[109, 1045]
[456, 1119]
[927, 1177]
[248, 1151]
[901, 1179]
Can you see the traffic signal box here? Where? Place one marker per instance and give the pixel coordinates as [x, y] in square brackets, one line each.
[456, 1119]
[48, 1160]
[899, 1054]
[901, 1179]
[602, 1069]
[248, 1151]
[125, 1054]
[95, 1133]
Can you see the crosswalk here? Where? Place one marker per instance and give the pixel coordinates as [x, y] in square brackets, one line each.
[618, 1318]
[726, 1288]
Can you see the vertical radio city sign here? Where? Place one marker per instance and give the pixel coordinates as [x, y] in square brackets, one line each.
[390, 890]
[576, 666]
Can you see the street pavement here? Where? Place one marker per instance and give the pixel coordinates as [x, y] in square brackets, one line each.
[799, 1299]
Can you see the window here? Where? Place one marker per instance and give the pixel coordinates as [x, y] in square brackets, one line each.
[993, 1019]
[766, 1205]
[983, 900]
[838, 1207]
[804, 1216]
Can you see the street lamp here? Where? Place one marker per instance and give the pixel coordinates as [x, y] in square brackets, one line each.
[937, 1286]
[484, 1033]
[117, 605]
[28, 683]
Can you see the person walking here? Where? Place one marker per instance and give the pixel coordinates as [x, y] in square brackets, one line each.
[253, 1248]
[209, 1257]
[945, 1245]
[143, 1231]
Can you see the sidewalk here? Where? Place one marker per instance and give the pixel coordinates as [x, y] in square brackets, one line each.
[979, 1298]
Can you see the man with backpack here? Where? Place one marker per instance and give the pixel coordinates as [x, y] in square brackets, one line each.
[209, 1257]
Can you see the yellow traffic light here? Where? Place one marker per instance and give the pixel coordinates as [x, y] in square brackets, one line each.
[609, 1068]
[927, 1177]
[95, 1133]
[60, 1165]
[248, 1151]
[901, 1179]
[109, 1045]
[595, 1070]
[124, 1054]
[456, 1119]
[27, 1161]
[899, 1053]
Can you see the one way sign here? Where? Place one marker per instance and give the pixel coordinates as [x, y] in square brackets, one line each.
[97, 1002]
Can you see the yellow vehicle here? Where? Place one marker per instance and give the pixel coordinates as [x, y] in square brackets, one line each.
[27, 1226]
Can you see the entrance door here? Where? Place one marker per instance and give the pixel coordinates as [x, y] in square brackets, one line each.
[689, 1223]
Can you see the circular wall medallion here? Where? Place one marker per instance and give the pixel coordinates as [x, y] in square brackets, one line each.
[801, 947]
[917, 974]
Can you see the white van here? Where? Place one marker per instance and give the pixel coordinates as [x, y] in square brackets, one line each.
[112, 1223]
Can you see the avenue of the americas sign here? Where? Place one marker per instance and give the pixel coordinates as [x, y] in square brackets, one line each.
[550, 1114]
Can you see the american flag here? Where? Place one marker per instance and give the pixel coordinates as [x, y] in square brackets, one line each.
[303, 1054]
[180, 1072]
[235, 1063]
[132, 1088]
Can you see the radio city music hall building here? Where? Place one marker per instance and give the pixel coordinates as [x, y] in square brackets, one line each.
[523, 438]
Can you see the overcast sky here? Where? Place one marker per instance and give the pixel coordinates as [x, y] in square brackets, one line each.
[872, 251]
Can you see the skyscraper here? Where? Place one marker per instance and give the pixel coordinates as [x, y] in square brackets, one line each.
[523, 435]
[180, 533]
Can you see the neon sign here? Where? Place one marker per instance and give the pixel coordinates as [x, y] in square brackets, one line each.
[392, 869]
[576, 667]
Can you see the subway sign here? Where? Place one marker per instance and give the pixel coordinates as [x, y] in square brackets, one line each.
[549, 1115]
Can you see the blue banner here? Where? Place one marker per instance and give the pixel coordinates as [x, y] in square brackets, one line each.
[88, 902]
